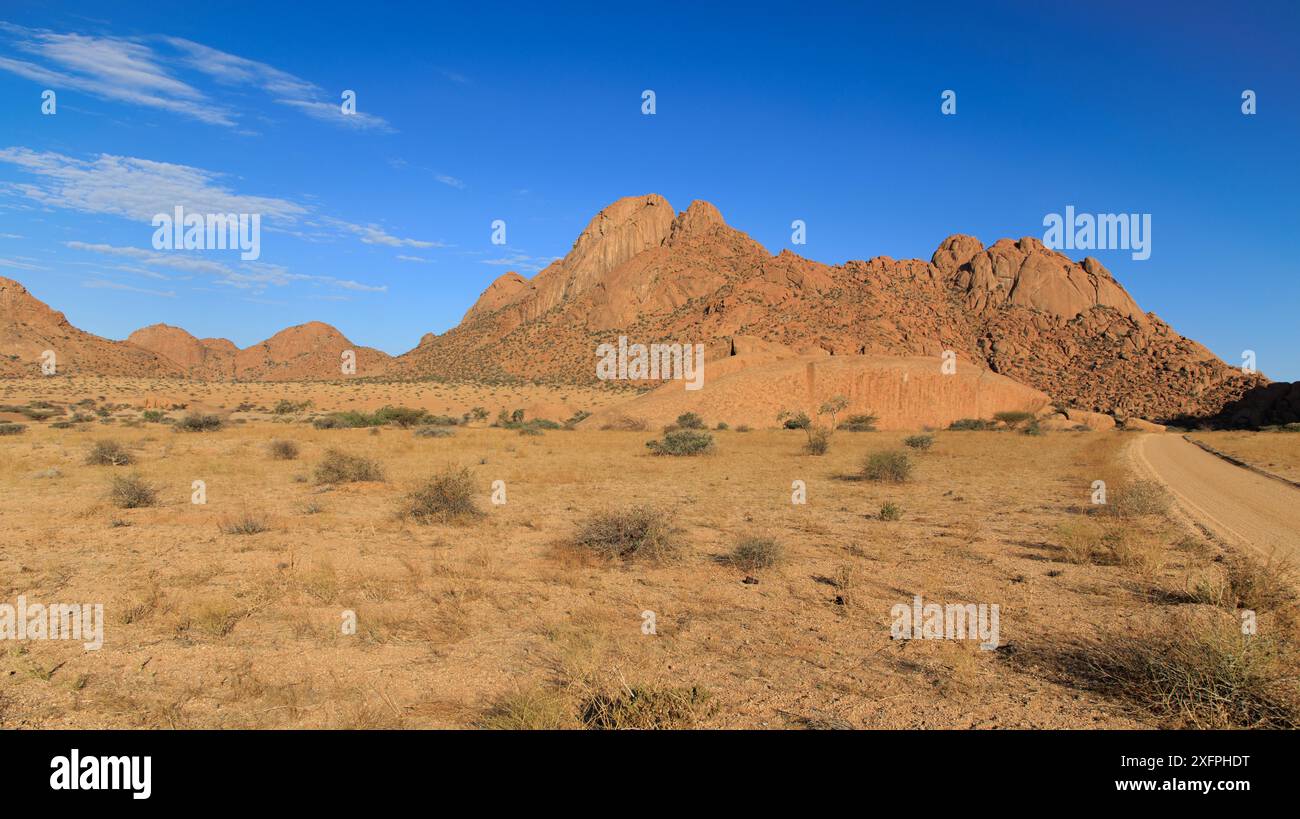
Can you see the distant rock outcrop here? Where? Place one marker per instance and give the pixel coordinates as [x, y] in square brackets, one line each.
[29, 328]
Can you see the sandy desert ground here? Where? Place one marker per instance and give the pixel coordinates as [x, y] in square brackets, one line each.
[502, 619]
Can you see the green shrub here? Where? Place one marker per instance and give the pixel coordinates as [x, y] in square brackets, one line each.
[887, 467]
[434, 432]
[153, 416]
[195, 422]
[12, 429]
[971, 424]
[799, 421]
[689, 420]
[683, 442]
[919, 442]
[890, 511]
[859, 423]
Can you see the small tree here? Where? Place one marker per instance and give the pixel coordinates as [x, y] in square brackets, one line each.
[819, 436]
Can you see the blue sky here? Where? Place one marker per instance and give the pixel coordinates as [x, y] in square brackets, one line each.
[467, 113]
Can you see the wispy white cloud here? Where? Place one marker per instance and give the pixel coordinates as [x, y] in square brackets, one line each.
[104, 284]
[135, 188]
[373, 234]
[251, 276]
[332, 112]
[17, 265]
[145, 71]
[450, 181]
[415, 259]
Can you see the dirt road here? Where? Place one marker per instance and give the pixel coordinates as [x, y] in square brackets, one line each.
[1241, 507]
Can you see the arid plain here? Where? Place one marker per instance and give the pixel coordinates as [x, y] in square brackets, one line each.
[229, 613]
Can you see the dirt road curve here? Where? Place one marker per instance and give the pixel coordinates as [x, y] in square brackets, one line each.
[1242, 508]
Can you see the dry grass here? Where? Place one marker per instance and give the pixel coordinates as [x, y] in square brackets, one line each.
[753, 553]
[109, 453]
[448, 497]
[132, 492]
[641, 532]
[1190, 672]
[341, 467]
[212, 631]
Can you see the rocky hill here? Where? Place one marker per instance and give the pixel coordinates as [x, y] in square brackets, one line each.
[1016, 308]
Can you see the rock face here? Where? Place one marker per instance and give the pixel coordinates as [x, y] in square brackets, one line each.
[1066, 328]
[28, 328]
[905, 393]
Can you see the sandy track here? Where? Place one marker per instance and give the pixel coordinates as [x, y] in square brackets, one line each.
[1241, 507]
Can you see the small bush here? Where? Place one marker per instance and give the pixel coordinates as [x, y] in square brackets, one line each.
[286, 407]
[1137, 499]
[890, 511]
[859, 423]
[639, 532]
[12, 429]
[819, 441]
[153, 416]
[340, 467]
[683, 442]
[195, 422]
[753, 553]
[887, 467]
[626, 423]
[445, 498]
[534, 710]
[283, 450]
[743, 428]
[132, 492]
[1014, 419]
[434, 432]
[919, 442]
[109, 453]
[689, 420]
[1080, 541]
[971, 425]
[1261, 586]
[647, 707]
[722, 426]
[246, 523]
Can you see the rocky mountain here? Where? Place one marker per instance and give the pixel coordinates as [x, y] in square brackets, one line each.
[1065, 328]
[29, 328]
[1016, 308]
